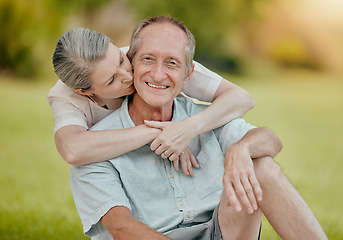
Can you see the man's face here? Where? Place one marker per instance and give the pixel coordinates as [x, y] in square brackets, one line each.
[160, 64]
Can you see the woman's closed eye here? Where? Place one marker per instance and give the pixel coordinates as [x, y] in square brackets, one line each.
[112, 79]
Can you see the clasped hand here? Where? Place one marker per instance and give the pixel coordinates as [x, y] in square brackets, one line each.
[173, 143]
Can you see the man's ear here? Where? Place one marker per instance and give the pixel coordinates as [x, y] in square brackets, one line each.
[189, 74]
[82, 92]
[131, 61]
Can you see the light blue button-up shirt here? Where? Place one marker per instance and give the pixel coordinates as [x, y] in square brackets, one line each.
[156, 194]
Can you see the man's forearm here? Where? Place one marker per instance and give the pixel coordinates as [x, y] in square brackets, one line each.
[120, 223]
[239, 176]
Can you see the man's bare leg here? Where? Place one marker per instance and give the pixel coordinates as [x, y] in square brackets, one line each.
[283, 206]
[238, 225]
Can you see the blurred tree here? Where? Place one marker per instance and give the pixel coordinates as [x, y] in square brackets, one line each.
[70, 7]
[211, 22]
[27, 30]
[24, 26]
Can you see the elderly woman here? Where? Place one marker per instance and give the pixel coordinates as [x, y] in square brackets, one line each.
[95, 75]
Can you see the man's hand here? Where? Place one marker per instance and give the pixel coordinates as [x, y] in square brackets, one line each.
[188, 161]
[240, 182]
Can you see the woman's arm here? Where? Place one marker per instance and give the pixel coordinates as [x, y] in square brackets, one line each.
[230, 102]
[77, 146]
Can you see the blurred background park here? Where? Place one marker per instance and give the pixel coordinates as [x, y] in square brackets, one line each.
[287, 53]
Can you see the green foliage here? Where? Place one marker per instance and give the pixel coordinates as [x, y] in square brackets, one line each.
[23, 24]
[29, 27]
[73, 6]
[291, 52]
[36, 200]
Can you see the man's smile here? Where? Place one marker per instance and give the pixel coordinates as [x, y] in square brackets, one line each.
[157, 86]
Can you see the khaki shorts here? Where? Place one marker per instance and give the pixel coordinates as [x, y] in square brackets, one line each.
[205, 231]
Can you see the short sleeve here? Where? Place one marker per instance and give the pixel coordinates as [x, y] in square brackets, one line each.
[96, 189]
[125, 49]
[203, 83]
[232, 132]
[64, 113]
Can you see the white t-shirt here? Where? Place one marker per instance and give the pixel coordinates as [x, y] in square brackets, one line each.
[71, 108]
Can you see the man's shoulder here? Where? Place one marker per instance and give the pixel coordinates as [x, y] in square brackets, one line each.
[188, 105]
[111, 121]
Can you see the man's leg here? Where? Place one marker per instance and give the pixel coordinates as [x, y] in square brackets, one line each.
[237, 225]
[283, 206]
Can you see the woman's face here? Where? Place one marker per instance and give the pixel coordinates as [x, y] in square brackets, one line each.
[112, 77]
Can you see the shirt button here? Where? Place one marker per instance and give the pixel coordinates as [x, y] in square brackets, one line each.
[171, 175]
[181, 203]
[189, 214]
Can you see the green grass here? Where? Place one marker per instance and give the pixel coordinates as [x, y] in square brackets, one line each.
[35, 197]
[306, 112]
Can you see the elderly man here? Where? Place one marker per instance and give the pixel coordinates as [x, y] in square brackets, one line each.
[140, 195]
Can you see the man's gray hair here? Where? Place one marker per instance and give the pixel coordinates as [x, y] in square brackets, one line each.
[76, 55]
[190, 45]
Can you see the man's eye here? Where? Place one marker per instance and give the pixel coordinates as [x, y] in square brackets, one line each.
[121, 61]
[173, 64]
[147, 58]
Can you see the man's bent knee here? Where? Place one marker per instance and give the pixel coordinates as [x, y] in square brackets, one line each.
[267, 170]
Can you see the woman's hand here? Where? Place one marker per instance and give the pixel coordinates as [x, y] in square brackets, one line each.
[173, 142]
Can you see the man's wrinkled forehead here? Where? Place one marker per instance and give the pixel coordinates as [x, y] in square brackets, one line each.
[158, 34]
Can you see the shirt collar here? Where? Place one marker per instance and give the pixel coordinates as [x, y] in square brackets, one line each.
[127, 121]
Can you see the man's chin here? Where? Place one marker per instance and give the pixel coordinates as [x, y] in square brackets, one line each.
[158, 102]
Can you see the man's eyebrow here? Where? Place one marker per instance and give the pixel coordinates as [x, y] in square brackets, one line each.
[175, 58]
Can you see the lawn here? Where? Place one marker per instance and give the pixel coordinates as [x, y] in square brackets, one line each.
[35, 197]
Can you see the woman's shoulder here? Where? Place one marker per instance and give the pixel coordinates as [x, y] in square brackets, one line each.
[62, 91]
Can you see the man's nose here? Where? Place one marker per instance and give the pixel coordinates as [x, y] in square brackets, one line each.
[158, 72]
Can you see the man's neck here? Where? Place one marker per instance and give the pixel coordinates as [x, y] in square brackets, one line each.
[139, 111]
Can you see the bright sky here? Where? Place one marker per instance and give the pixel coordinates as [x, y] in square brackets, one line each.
[328, 11]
